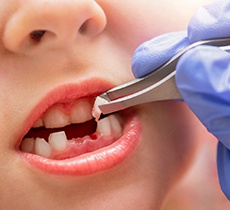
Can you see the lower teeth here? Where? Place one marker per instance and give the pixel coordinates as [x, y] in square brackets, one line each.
[58, 140]
[108, 130]
[42, 147]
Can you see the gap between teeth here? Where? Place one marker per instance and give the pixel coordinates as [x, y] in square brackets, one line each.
[57, 141]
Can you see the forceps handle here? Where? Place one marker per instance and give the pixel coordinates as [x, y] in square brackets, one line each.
[159, 85]
[165, 89]
[161, 72]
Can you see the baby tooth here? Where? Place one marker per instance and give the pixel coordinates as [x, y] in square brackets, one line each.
[27, 144]
[115, 124]
[81, 112]
[42, 147]
[38, 123]
[96, 112]
[104, 127]
[56, 119]
[58, 140]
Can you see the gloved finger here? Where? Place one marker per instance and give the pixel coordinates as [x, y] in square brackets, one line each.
[203, 79]
[154, 53]
[210, 21]
[223, 160]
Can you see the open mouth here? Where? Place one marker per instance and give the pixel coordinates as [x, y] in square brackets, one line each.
[62, 137]
[67, 130]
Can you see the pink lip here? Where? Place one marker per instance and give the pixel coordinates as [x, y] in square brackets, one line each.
[88, 163]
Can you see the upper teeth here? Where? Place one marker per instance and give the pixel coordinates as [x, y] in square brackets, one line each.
[96, 112]
[78, 112]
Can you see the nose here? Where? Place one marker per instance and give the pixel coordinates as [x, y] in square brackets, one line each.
[52, 24]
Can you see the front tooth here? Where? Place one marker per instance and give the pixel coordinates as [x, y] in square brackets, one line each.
[38, 123]
[96, 112]
[27, 145]
[55, 118]
[116, 125]
[58, 140]
[81, 112]
[104, 127]
[42, 147]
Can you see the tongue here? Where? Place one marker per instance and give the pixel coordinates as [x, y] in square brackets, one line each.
[72, 131]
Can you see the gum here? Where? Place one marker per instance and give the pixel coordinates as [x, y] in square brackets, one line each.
[79, 146]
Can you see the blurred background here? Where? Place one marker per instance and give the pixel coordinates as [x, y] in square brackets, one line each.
[200, 190]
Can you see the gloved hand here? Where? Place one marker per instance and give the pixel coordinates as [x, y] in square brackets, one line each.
[202, 74]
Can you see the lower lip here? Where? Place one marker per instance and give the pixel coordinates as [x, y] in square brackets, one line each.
[90, 163]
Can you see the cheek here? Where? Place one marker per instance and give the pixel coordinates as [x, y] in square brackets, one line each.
[127, 21]
[171, 137]
[133, 22]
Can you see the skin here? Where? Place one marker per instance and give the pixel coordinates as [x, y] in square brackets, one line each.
[170, 132]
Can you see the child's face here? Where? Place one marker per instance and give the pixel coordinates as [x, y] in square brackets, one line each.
[55, 57]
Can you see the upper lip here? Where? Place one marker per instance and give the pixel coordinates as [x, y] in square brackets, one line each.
[63, 93]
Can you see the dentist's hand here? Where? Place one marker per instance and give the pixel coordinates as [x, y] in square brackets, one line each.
[202, 74]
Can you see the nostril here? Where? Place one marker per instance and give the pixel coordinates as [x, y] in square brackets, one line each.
[37, 35]
[89, 27]
[83, 28]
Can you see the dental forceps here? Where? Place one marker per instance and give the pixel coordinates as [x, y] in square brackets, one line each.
[158, 85]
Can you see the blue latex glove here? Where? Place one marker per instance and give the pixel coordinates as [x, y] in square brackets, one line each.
[202, 75]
